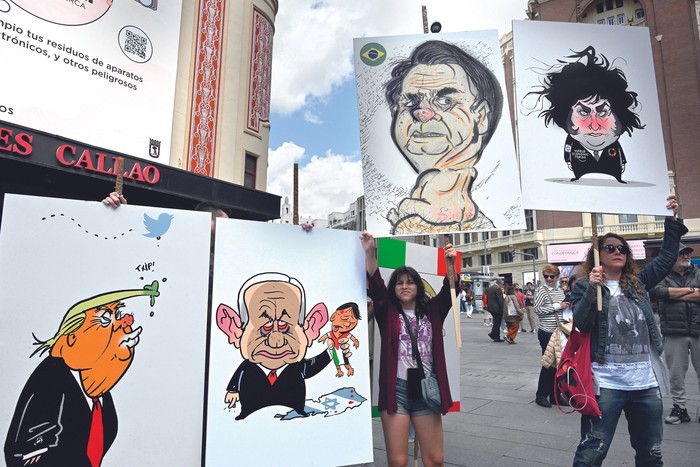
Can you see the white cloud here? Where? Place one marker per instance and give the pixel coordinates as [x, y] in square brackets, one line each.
[311, 117]
[326, 184]
[313, 39]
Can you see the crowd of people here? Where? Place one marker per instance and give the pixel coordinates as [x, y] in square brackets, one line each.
[626, 345]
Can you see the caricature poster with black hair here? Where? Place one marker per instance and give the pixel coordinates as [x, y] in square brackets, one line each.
[589, 128]
[288, 374]
[104, 325]
[435, 134]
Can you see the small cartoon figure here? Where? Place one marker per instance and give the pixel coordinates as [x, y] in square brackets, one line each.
[343, 320]
[590, 101]
[65, 414]
[273, 331]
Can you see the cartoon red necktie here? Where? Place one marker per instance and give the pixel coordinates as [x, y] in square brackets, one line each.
[272, 377]
[95, 447]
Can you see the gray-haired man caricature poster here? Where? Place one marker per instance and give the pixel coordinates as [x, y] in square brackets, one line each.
[588, 118]
[437, 153]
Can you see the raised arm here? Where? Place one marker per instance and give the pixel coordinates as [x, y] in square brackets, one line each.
[370, 246]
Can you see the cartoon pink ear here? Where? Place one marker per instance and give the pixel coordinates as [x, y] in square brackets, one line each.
[315, 320]
[229, 322]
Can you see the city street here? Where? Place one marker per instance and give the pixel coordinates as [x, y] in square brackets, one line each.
[500, 425]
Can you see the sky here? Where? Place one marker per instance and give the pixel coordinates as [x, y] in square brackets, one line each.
[314, 105]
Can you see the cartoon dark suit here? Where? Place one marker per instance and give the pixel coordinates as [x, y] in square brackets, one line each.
[53, 416]
[289, 389]
[273, 331]
[610, 160]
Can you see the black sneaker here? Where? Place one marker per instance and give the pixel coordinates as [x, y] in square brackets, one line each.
[678, 415]
[543, 402]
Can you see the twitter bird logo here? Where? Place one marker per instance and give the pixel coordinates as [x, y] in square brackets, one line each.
[157, 227]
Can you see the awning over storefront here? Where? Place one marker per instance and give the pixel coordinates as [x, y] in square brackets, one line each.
[37, 163]
[576, 252]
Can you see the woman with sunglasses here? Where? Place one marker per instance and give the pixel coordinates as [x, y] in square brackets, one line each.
[550, 304]
[626, 345]
[400, 303]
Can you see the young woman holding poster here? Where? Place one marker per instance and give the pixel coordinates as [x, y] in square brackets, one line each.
[404, 302]
[626, 345]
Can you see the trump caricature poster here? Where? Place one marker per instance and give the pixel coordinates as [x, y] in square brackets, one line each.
[589, 129]
[104, 320]
[288, 376]
[436, 142]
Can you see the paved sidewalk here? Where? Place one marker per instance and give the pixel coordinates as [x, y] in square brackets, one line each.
[498, 383]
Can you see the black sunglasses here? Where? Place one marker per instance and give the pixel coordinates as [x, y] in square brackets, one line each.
[611, 248]
[549, 276]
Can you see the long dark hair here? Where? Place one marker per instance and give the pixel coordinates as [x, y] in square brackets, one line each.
[630, 271]
[415, 277]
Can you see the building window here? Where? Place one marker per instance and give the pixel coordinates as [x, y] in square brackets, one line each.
[619, 3]
[611, 21]
[601, 21]
[529, 220]
[485, 261]
[599, 219]
[485, 235]
[505, 233]
[608, 5]
[251, 171]
[466, 262]
[599, 7]
[507, 257]
[531, 251]
[466, 238]
[621, 19]
[639, 14]
[627, 218]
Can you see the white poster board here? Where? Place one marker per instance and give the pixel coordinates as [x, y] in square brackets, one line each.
[97, 72]
[545, 48]
[439, 157]
[332, 406]
[55, 254]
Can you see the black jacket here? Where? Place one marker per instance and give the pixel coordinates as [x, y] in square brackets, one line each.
[678, 318]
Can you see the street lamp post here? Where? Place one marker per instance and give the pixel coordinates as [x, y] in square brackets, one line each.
[534, 266]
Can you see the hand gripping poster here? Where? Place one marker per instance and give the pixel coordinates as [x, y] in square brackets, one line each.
[436, 141]
[101, 72]
[289, 356]
[589, 128]
[104, 333]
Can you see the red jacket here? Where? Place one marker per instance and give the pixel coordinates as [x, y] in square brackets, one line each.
[389, 321]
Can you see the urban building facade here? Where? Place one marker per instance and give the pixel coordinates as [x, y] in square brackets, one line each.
[222, 99]
[220, 126]
[560, 237]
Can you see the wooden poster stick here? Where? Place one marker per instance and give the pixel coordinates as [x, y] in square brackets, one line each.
[596, 259]
[455, 302]
[119, 184]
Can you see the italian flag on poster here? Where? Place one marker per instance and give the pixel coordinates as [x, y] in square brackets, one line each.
[430, 264]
